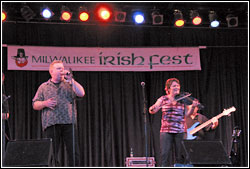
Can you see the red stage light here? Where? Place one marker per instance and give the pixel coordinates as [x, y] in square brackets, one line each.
[84, 16]
[4, 16]
[66, 16]
[178, 17]
[104, 13]
[197, 20]
[179, 23]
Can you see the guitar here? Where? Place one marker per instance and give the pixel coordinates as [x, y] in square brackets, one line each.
[193, 130]
[190, 136]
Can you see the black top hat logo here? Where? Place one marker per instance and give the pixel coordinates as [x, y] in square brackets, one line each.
[20, 53]
[21, 58]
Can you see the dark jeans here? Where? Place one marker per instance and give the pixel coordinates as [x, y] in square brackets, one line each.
[63, 132]
[167, 140]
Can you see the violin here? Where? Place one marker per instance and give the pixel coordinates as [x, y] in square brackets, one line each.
[187, 99]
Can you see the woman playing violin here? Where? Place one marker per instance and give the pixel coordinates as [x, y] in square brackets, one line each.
[173, 120]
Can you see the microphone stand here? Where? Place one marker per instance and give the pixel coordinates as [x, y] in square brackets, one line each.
[10, 134]
[145, 121]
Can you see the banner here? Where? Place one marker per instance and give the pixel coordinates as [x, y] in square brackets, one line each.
[38, 58]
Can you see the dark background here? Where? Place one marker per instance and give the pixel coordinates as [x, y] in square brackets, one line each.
[110, 116]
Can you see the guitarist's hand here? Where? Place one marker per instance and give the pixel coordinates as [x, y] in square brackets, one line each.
[215, 122]
[195, 103]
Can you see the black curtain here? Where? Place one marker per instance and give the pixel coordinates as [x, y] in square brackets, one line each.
[110, 116]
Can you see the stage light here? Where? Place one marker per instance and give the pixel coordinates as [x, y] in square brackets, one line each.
[83, 14]
[66, 14]
[213, 19]
[194, 16]
[120, 16]
[138, 17]
[178, 18]
[157, 18]
[47, 13]
[232, 21]
[104, 13]
[4, 16]
[27, 13]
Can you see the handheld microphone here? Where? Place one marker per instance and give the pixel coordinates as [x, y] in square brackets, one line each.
[69, 73]
[142, 84]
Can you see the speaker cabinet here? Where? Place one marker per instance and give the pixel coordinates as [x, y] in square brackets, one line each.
[29, 153]
[205, 153]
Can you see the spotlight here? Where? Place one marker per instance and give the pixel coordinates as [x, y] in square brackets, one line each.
[66, 14]
[4, 16]
[178, 18]
[213, 19]
[27, 13]
[83, 14]
[120, 16]
[138, 17]
[232, 21]
[194, 16]
[157, 18]
[104, 13]
[46, 13]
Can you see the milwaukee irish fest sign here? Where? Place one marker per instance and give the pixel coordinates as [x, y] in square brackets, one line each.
[38, 58]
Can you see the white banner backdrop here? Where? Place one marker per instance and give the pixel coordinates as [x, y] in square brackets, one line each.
[38, 58]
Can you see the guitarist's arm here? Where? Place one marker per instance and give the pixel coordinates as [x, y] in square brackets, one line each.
[212, 125]
[202, 134]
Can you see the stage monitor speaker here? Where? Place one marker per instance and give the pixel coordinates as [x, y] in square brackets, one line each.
[29, 153]
[205, 153]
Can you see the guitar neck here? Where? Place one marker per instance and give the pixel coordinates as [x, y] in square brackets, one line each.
[204, 124]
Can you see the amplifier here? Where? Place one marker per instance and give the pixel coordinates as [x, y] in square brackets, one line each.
[140, 162]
